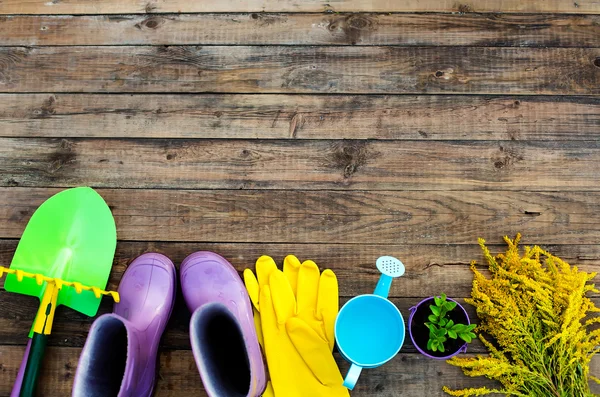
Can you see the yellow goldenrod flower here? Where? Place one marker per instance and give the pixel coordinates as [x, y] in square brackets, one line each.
[537, 320]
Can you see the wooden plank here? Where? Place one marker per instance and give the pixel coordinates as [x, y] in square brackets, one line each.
[406, 375]
[300, 116]
[307, 164]
[487, 30]
[431, 269]
[285, 69]
[385, 217]
[179, 6]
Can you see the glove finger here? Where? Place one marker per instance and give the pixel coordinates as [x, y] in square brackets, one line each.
[269, 392]
[314, 351]
[291, 266]
[252, 286]
[258, 327]
[328, 304]
[284, 302]
[265, 265]
[308, 290]
[268, 321]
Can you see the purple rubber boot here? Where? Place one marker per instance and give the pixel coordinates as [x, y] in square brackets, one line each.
[120, 354]
[222, 331]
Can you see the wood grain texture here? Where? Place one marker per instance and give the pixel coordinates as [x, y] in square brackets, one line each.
[179, 6]
[431, 268]
[306, 164]
[300, 116]
[486, 30]
[385, 217]
[301, 69]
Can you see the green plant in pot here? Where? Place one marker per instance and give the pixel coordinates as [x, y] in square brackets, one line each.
[441, 326]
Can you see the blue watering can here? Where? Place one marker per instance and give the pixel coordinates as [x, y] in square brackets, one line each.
[369, 329]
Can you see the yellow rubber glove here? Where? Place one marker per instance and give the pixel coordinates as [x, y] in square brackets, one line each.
[265, 265]
[298, 308]
[311, 283]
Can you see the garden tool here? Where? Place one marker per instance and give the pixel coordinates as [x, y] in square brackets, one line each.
[297, 313]
[69, 241]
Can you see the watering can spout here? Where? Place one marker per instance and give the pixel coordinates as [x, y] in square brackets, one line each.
[383, 286]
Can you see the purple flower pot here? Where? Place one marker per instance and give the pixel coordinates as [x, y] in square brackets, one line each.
[418, 310]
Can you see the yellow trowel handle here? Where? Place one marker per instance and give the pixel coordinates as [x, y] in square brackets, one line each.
[45, 314]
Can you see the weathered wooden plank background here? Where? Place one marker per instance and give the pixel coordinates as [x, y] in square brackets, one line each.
[339, 131]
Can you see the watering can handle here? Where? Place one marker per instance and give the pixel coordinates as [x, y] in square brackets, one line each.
[352, 376]
[383, 286]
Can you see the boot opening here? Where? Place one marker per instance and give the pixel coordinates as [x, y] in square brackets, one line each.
[221, 351]
[102, 364]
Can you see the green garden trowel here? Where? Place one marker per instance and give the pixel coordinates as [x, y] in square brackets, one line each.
[64, 258]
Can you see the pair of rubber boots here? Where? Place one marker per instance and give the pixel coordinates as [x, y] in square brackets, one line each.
[120, 355]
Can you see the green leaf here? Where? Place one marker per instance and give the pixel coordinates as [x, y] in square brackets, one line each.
[472, 335]
[435, 310]
[441, 347]
[434, 345]
[470, 327]
[465, 337]
[452, 334]
[438, 301]
[449, 305]
[433, 318]
[429, 344]
[458, 328]
[440, 332]
[443, 322]
[443, 296]
[450, 324]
